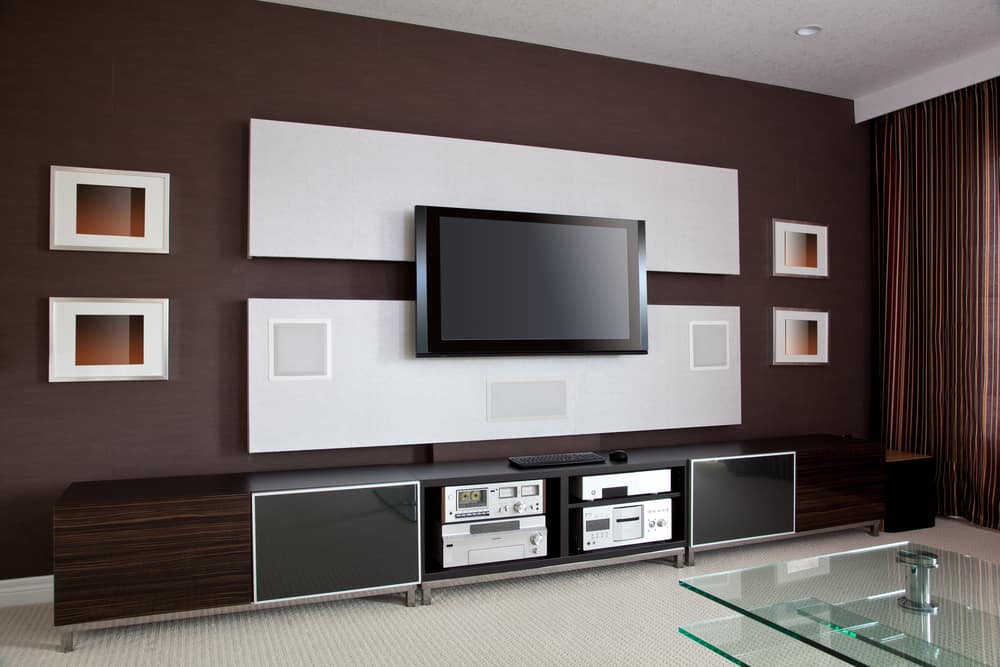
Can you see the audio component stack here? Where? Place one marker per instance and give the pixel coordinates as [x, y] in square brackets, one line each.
[489, 523]
[638, 517]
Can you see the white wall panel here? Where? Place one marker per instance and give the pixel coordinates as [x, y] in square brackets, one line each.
[379, 393]
[335, 192]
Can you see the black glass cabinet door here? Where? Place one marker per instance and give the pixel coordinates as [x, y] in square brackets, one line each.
[742, 498]
[312, 543]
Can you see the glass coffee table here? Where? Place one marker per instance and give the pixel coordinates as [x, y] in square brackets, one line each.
[899, 604]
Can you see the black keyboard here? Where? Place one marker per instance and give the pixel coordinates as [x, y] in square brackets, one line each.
[546, 460]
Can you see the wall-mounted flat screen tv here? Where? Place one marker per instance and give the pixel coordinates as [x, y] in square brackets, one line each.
[503, 282]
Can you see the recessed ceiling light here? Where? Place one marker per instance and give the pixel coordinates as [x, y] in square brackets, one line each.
[808, 30]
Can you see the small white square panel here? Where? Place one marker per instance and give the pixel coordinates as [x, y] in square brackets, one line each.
[300, 349]
[709, 345]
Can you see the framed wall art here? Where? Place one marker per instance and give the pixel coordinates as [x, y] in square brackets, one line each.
[107, 339]
[800, 336]
[107, 210]
[800, 249]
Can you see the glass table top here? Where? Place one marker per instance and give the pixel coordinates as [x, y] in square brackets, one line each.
[748, 643]
[848, 605]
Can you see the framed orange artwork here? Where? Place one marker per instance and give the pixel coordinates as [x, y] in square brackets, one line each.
[107, 339]
[800, 249]
[109, 211]
[800, 336]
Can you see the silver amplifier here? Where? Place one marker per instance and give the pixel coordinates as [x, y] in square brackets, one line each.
[626, 523]
[492, 541]
[621, 484]
[471, 502]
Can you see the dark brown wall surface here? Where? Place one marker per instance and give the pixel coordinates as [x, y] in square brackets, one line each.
[171, 86]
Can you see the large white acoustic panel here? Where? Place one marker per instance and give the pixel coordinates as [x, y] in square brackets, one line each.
[379, 393]
[344, 193]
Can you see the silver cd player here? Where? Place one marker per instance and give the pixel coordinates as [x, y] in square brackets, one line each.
[621, 484]
[626, 523]
[494, 500]
[493, 541]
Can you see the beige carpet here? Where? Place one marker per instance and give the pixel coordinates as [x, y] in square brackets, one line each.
[619, 615]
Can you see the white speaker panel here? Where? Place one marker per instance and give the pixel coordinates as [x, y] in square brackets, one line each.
[339, 192]
[299, 349]
[709, 345]
[381, 394]
[527, 399]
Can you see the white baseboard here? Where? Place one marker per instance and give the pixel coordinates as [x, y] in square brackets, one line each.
[29, 590]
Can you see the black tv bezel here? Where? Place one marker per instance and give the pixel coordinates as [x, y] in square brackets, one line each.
[428, 312]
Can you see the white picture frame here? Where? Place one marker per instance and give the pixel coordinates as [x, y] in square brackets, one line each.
[107, 210]
[96, 339]
[800, 249]
[800, 336]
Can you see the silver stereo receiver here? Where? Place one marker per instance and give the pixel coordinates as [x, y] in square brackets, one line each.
[471, 502]
[627, 523]
[621, 484]
[493, 541]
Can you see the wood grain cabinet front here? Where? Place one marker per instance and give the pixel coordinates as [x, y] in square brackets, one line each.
[160, 556]
[840, 485]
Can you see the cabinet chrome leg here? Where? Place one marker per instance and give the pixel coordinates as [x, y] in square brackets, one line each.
[873, 529]
[66, 642]
[411, 597]
[425, 595]
[688, 556]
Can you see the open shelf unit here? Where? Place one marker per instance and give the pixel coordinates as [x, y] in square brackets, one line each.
[561, 516]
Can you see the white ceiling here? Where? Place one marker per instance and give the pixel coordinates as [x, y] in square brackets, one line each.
[866, 49]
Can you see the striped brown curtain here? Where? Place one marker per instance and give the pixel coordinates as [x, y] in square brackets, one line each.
[937, 245]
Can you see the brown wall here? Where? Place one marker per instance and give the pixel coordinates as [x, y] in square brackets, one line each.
[171, 86]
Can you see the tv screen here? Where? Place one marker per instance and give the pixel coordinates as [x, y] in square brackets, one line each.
[502, 282]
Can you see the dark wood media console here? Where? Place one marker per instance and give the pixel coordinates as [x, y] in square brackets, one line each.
[134, 551]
